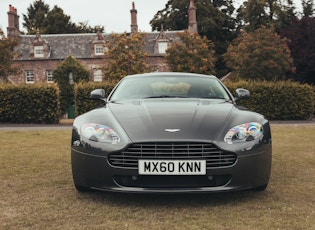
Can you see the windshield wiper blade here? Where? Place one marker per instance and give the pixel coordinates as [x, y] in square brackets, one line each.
[166, 96]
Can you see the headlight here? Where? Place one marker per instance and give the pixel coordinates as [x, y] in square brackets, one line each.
[99, 133]
[244, 132]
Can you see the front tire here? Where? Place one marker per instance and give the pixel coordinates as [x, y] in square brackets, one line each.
[81, 188]
[260, 188]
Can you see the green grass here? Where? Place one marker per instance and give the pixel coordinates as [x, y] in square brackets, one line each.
[36, 191]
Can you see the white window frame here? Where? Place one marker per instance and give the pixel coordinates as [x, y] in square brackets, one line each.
[99, 49]
[50, 77]
[162, 46]
[98, 75]
[38, 51]
[29, 77]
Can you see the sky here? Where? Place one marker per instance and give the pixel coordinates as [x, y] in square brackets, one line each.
[114, 15]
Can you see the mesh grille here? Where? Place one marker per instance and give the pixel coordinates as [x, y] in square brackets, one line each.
[154, 151]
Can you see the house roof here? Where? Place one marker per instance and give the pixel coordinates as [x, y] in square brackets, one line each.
[79, 45]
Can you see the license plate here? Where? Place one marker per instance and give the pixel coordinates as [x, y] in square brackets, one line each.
[172, 167]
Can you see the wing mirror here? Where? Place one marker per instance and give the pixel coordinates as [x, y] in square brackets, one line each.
[242, 94]
[98, 94]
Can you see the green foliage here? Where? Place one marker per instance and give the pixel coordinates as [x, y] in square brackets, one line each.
[56, 22]
[125, 55]
[82, 92]
[192, 54]
[83, 27]
[308, 8]
[62, 75]
[29, 103]
[35, 17]
[40, 17]
[269, 13]
[7, 55]
[282, 100]
[215, 19]
[301, 34]
[261, 54]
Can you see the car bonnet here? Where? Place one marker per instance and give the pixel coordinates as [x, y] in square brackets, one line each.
[177, 119]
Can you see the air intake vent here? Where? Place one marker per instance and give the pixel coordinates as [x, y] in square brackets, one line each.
[174, 150]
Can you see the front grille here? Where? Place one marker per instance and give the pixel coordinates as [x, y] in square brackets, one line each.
[168, 151]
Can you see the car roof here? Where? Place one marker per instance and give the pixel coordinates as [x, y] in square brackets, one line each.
[170, 74]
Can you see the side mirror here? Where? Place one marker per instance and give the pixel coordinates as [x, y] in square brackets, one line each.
[98, 94]
[242, 94]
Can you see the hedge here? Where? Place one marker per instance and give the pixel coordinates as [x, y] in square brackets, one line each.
[282, 100]
[82, 92]
[29, 103]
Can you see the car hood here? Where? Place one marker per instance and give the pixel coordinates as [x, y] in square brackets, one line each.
[165, 120]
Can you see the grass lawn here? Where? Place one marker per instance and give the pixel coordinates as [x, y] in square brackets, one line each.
[36, 191]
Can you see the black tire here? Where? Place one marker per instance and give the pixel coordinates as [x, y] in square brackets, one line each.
[82, 189]
[260, 188]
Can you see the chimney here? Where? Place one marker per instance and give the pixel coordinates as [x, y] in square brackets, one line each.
[192, 21]
[134, 25]
[13, 29]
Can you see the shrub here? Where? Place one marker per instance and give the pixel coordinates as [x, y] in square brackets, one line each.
[29, 103]
[62, 78]
[282, 100]
[82, 92]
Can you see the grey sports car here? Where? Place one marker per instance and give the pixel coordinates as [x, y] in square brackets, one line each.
[170, 133]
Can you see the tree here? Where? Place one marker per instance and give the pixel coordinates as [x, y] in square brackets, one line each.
[7, 55]
[301, 36]
[69, 71]
[253, 14]
[56, 22]
[85, 28]
[35, 17]
[125, 55]
[40, 17]
[261, 54]
[215, 21]
[192, 54]
[308, 8]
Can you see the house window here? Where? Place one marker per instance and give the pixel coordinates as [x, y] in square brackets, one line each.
[99, 49]
[29, 77]
[98, 75]
[162, 46]
[38, 51]
[49, 74]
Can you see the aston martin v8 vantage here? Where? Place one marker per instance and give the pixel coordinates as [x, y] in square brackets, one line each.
[170, 133]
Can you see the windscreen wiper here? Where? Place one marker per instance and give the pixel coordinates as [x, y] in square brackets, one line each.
[166, 96]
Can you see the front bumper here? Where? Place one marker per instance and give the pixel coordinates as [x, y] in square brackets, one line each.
[93, 171]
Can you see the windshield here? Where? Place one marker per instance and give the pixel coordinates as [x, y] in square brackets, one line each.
[169, 86]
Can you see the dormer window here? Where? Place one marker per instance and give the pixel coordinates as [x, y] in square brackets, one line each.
[99, 49]
[162, 42]
[162, 46]
[39, 51]
[39, 47]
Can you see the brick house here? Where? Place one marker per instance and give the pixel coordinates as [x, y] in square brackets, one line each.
[40, 54]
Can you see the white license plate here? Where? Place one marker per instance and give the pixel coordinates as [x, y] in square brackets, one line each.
[172, 167]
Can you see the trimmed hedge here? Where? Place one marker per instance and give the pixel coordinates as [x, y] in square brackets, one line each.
[29, 103]
[282, 100]
[82, 92]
